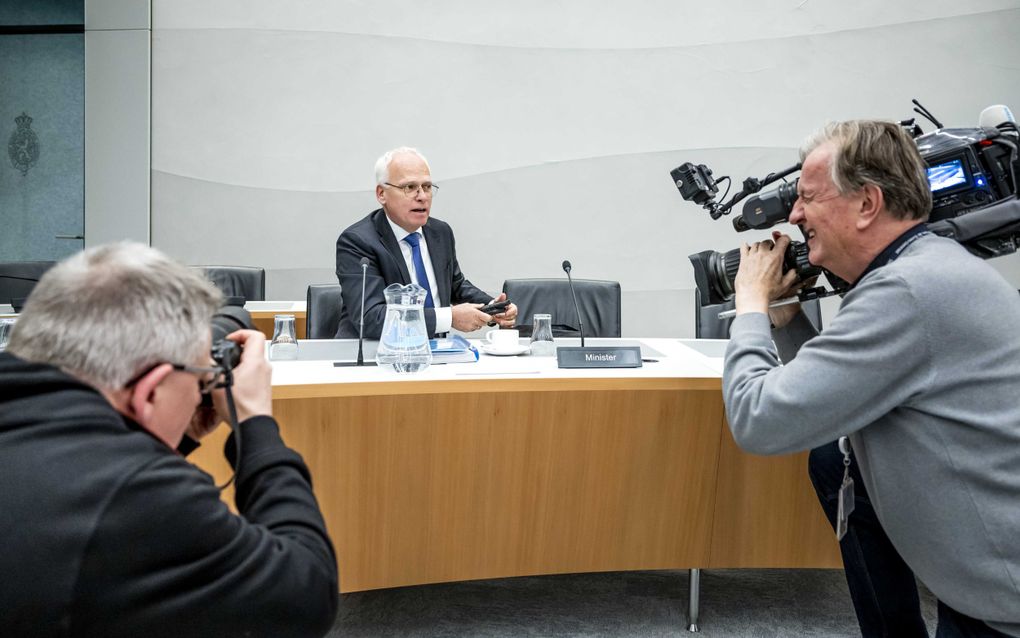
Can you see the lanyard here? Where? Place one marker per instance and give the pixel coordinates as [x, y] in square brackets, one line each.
[893, 251]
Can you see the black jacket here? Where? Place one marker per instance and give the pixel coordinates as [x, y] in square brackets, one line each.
[372, 237]
[107, 532]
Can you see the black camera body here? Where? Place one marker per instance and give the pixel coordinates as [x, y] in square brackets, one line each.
[972, 173]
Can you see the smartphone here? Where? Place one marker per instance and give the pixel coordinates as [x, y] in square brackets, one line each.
[495, 308]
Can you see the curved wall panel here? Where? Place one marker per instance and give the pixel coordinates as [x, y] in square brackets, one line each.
[551, 131]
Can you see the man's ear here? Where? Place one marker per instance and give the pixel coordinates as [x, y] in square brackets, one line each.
[380, 194]
[871, 205]
[141, 401]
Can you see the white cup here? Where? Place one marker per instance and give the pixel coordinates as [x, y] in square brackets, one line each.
[503, 339]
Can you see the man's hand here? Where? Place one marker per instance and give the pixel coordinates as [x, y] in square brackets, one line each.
[467, 317]
[508, 317]
[252, 389]
[782, 315]
[760, 278]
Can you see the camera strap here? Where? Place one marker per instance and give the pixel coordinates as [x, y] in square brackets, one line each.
[228, 387]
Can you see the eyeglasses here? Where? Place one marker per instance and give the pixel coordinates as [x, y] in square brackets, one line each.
[411, 189]
[209, 378]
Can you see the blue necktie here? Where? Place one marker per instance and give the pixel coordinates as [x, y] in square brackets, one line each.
[419, 267]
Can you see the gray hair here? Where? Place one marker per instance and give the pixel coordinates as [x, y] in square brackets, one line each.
[106, 314]
[878, 153]
[382, 165]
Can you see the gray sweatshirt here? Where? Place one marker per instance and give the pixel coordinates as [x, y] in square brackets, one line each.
[921, 367]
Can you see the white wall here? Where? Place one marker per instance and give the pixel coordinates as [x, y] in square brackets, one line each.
[117, 124]
[551, 127]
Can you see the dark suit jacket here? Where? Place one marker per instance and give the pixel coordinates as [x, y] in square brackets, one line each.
[372, 237]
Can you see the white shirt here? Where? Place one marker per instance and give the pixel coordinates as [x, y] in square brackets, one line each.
[444, 316]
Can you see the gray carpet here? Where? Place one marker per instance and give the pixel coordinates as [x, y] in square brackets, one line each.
[747, 602]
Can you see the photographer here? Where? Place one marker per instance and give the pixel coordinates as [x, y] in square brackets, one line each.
[107, 529]
[920, 367]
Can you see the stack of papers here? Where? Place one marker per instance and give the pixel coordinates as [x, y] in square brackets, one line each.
[455, 349]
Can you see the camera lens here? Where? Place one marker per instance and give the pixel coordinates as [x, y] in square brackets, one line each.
[724, 267]
[227, 320]
[715, 272]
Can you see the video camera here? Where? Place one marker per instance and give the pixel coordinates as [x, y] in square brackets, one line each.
[972, 173]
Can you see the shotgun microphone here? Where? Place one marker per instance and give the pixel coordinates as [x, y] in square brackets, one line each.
[577, 309]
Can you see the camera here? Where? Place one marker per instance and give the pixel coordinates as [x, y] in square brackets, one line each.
[971, 172]
[226, 320]
[714, 271]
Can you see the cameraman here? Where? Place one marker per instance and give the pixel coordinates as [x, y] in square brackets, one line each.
[920, 367]
[107, 529]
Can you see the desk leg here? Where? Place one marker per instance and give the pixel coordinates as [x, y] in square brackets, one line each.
[692, 602]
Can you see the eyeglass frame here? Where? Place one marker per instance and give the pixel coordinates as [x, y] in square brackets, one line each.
[432, 189]
[205, 386]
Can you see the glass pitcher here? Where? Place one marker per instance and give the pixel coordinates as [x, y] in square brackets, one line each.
[404, 343]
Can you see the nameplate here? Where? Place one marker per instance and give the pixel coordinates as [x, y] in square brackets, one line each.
[599, 357]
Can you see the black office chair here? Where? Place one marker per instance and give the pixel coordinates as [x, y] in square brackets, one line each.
[237, 281]
[322, 312]
[18, 278]
[708, 325]
[598, 301]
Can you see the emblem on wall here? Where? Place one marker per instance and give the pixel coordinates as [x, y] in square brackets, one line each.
[23, 146]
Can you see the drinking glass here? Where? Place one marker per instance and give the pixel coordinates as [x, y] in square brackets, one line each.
[6, 328]
[541, 336]
[284, 346]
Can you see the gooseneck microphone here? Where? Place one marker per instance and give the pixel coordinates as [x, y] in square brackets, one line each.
[596, 356]
[361, 323]
[360, 361]
[577, 309]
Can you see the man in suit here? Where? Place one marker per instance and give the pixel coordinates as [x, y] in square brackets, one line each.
[403, 244]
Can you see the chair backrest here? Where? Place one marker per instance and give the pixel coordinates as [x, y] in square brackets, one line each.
[598, 301]
[238, 281]
[322, 312]
[708, 325]
[18, 278]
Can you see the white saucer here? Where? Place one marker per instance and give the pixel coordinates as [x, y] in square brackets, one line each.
[504, 352]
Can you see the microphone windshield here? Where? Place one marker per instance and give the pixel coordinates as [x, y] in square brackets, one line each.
[995, 115]
[364, 261]
[566, 266]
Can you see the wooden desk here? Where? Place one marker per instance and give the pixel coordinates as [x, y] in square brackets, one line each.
[454, 474]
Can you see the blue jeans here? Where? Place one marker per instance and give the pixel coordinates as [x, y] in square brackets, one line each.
[882, 586]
